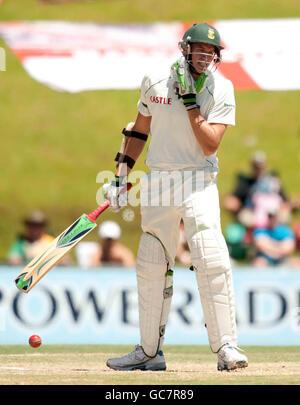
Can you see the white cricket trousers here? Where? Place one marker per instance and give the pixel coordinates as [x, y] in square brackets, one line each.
[193, 196]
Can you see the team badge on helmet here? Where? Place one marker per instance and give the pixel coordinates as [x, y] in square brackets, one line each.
[211, 33]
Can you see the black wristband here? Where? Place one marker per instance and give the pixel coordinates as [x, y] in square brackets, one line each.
[117, 158]
[128, 160]
[121, 158]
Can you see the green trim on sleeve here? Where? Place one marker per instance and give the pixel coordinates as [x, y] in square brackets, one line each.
[210, 93]
[154, 85]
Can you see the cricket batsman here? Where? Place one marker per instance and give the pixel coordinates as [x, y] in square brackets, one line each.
[187, 113]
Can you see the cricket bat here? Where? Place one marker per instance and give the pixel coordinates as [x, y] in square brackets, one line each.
[58, 248]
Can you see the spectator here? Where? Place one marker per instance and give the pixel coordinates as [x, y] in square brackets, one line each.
[254, 194]
[275, 243]
[266, 196]
[111, 251]
[236, 239]
[235, 201]
[85, 253]
[33, 241]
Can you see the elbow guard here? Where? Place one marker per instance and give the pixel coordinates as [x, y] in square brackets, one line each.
[120, 157]
[134, 134]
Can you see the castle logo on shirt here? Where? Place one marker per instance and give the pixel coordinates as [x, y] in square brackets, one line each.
[161, 100]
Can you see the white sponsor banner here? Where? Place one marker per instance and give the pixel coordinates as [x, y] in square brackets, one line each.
[73, 306]
[268, 50]
[73, 57]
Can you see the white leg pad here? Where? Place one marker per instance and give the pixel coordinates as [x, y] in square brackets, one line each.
[211, 262]
[155, 290]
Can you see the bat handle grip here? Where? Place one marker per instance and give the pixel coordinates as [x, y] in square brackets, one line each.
[95, 214]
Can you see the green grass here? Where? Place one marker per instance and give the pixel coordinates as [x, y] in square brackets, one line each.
[148, 10]
[186, 365]
[53, 144]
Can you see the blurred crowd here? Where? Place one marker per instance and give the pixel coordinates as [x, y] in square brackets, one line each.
[260, 233]
[108, 251]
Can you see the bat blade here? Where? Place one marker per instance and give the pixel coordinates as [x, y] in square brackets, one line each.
[57, 249]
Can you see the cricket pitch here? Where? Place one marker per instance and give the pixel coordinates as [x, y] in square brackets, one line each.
[186, 365]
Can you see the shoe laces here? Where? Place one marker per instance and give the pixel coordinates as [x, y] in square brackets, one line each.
[232, 347]
[136, 353]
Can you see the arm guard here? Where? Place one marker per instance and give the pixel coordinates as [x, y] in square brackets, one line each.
[120, 157]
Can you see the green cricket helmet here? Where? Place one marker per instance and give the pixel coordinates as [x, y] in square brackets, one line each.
[203, 33]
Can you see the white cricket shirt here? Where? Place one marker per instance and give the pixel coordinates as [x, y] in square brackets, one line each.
[173, 145]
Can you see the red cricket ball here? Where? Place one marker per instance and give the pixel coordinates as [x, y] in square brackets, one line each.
[35, 341]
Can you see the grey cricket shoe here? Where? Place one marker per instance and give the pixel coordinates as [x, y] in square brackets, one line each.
[229, 358]
[138, 360]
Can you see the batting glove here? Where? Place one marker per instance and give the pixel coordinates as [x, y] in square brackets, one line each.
[114, 192]
[185, 86]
